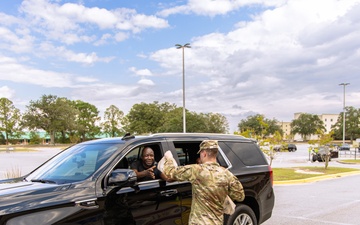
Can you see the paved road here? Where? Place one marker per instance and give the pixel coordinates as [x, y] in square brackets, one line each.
[332, 201]
[25, 162]
[301, 158]
[335, 201]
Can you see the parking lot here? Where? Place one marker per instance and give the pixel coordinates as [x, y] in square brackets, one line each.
[302, 157]
[27, 161]
[331, 201]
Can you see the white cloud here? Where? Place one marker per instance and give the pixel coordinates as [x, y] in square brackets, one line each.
[86, 79]
[19, 41]
[6, 92]
[142, 72]
[121, 36]
[68, 22]
[11, 70]
[289, 57]
[277, 64]
[216, 7]
[146, 82]
[61, 51]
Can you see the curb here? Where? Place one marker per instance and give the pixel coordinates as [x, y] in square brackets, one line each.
[314, 179]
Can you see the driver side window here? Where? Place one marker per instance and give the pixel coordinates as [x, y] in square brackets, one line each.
[133, 160]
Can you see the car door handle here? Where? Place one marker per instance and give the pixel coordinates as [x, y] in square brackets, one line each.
[87, 204]
[169, 193]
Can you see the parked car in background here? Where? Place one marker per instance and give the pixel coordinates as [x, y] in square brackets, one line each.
[344, 147]
[284, 147]
[91, 183]
[320, 153]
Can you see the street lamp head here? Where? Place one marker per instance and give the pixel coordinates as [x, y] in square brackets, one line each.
[344, 84]
[187, 45]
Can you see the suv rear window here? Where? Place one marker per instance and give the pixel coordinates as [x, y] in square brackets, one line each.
[187, 153]
[248, 153]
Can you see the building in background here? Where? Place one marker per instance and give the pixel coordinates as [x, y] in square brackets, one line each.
[328, 119]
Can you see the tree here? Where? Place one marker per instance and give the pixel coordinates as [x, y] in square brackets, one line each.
[260, 125]
[10, 118]
[306, 125]
[154, 117]
[88, 116]
[49, 113]
[66, 121]
[146, 118]
[113, 117]
[216, 123]
[352, 124]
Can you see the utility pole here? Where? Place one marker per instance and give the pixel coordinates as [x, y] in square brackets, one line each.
[178, 46]
[344, 84]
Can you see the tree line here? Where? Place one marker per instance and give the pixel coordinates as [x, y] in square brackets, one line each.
[69, 121]
[306, 124]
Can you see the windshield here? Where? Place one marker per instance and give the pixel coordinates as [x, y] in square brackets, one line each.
[74, 164]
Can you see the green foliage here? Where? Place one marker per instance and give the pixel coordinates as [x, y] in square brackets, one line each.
[216, 123]
[2, 139]
[306, 125]
[51, 114]
[145, 118]
[352, 124]
[283, 174]
[74, 138]
[35, 138]
[259, 126]
[154, 117]
[113, 118]
[86, 120]
[10, 118]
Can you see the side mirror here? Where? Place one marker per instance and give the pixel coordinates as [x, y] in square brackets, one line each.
[122, 177]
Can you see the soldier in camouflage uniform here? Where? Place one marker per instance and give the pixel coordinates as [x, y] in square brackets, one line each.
[211, 183]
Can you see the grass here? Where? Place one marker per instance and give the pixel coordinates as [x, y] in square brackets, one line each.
[28, 148]
[283, 174]
[18, 149]
[351, 161]
[13, 173]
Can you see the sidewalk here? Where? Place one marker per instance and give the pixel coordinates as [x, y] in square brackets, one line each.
[317, 178]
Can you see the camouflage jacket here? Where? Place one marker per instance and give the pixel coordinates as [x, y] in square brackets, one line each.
[211, 183]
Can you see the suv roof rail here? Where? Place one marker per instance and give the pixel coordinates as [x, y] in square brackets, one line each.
[127, 136]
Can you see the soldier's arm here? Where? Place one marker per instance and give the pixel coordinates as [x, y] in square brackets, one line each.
[236, 190]
[180, 173]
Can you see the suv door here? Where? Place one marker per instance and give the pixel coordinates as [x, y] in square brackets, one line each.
[185, 153]
[148, 202]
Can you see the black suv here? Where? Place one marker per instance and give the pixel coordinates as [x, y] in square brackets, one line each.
[91, 183]
[288, 147]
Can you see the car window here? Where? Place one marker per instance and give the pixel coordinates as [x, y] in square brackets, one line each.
[247, 153]
[134, 155]
[187, 153]
[74, 164]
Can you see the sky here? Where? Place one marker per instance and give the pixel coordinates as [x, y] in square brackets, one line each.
[247, 57]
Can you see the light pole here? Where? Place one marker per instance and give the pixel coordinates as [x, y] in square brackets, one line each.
[344, 84]
[178, 46]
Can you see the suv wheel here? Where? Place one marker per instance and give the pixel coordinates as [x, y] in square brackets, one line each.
[243, 215]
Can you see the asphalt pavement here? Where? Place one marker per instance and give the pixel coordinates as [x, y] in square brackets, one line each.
[24, 162]
[302, 158]
[28, 161]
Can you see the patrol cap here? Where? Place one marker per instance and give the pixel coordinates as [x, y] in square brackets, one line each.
[209, 145]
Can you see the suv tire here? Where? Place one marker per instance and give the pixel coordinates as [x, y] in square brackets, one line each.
[243, 215]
